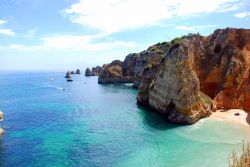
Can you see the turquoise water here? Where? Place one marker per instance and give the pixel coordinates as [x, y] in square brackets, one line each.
[100, 125]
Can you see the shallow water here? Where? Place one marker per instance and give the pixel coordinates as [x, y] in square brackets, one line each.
[100, 125]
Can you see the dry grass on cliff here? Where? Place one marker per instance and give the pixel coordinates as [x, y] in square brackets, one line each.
[243, 160]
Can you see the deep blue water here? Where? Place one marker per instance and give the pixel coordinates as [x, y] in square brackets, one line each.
[100, 125]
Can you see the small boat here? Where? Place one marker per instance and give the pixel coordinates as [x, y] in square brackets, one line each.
[69, 80]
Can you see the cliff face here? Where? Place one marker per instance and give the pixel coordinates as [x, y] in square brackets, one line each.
[216, 66]
[147, 67]
[128, 66]
[190, 76]
[222, 64]
[112, 73]
[176, 89]
[147, 59]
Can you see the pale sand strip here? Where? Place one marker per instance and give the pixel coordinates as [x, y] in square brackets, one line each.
[229, 115]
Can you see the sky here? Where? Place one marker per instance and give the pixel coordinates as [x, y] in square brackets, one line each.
[68, 34]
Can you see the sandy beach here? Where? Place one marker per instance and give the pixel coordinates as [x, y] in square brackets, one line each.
[234, 115]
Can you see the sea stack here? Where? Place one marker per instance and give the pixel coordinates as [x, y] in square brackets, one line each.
[68, 74]
[88, 72]
[78, 71]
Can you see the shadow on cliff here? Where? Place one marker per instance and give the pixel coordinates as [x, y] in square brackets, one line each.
[155, 120]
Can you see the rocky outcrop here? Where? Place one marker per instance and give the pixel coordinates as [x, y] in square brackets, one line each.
[96, 71]
[78, 71]
[128, 66]
[201, 69]
[68, 74]
[147, 67]
[132, 69]
[88, 72]
[113, 73]
[149, 58]
[176, 89]
[222, 63]
[189, 77]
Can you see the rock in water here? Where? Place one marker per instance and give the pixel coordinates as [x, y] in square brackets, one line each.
[68, 74]
[88, 72]
[96, 71]
[113, 73]
[78, 71]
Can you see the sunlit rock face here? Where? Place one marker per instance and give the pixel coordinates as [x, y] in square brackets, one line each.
[112, 73]
[176, 89]
[199, 69]
[147, 59]
[222, 63]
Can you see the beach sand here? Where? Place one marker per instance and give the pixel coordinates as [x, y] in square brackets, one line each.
[229, 115]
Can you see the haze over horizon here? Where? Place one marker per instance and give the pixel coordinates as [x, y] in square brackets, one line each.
[70, 34]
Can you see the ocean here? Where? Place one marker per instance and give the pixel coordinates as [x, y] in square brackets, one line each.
[49, 122]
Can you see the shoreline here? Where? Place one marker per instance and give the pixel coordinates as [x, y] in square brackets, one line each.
[242, 118]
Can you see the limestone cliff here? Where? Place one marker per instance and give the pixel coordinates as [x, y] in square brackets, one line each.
[216, 66]
[176, 89]
[112, 73]
[189, 77]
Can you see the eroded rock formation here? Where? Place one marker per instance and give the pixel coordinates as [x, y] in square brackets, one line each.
[88, 72]
[112, 73]
[199, 69]
[189, 77]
